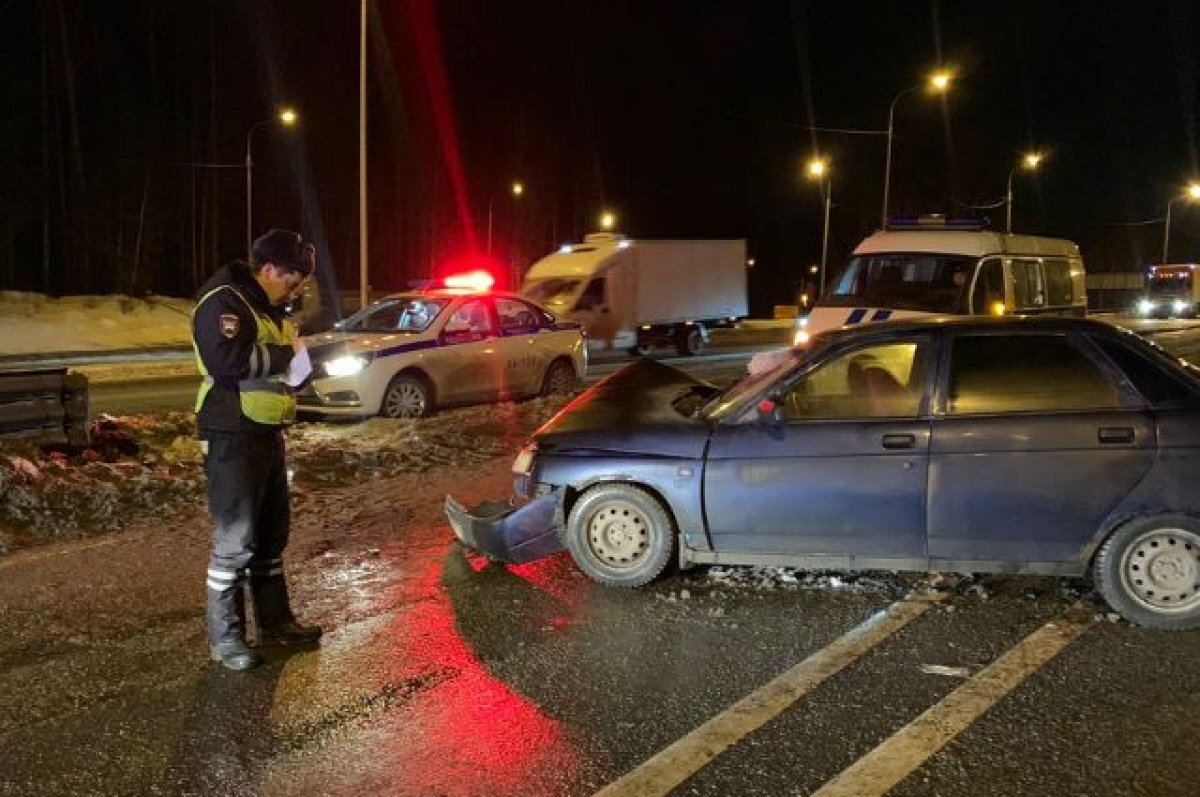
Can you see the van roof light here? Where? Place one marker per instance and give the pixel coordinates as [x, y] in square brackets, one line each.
[934, 221]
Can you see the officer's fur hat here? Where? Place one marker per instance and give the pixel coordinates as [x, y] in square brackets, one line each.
[286, 249]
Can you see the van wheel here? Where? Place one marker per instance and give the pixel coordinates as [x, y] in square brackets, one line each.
[689, 340]
[1149, 571]
[620, 535]
[407, 396]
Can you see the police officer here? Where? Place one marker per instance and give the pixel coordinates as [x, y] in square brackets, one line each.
[245, 348]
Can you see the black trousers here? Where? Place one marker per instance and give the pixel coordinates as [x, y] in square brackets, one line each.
[248, 498]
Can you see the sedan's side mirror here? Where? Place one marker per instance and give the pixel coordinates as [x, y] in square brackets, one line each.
[769, 411]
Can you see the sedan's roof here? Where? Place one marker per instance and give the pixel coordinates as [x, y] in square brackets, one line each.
[1016, 323]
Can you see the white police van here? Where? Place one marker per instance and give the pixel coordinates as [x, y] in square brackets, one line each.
[932, 265]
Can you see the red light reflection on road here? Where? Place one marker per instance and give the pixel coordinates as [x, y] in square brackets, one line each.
[470, 734]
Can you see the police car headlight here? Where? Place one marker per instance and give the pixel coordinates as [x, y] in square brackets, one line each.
[345, 366]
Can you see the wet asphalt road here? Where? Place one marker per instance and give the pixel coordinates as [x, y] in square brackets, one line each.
[443, 674]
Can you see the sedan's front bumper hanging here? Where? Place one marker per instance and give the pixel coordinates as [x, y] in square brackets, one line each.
[502, 532]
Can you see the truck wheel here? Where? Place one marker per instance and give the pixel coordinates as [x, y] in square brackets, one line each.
[620, 535]
[407, 396]
[689, 340]
[1149, 571]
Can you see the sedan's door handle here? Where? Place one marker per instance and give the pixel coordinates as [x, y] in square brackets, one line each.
[897, 440]
[1116, 434]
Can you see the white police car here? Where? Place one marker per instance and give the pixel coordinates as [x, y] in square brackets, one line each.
[409, 353]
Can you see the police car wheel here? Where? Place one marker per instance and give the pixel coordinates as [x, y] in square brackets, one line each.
[620, 535]
[559, 379]
[407, 397]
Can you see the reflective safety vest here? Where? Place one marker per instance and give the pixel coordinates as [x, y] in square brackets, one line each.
[264, 398]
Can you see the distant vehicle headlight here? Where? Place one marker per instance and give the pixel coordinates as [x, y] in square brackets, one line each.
[348, 365]
[1145, 307]
[1179, 305]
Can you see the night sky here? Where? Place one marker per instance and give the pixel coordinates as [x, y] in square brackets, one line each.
[124, 126]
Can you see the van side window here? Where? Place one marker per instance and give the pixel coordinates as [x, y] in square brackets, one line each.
[989, 287]
[592, 296]
[1028, 287]
[1025, 373]
[1059, 290]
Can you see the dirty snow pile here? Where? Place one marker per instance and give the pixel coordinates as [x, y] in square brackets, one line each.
[143, 466]
[32, 323]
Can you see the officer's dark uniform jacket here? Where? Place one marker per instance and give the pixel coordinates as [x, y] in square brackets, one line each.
[243, 347]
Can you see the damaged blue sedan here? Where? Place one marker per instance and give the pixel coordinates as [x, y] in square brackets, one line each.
[1017, 445]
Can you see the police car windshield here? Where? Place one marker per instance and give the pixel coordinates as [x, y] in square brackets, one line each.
[396, 314]
[933, 283]
[553, 292]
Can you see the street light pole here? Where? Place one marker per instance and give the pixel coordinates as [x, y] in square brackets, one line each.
[517, 188]
[1193, 193]
[1029, 161]
[286, 117]
[818, 169]
[939, 82]
[362, 154]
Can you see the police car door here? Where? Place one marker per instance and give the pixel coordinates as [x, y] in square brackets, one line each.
[467, 364]
[525, 352]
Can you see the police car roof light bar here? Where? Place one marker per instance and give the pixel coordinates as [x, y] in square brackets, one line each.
[935, 221]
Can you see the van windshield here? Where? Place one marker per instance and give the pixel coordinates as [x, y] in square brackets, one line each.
[932, 283]
[556, 293]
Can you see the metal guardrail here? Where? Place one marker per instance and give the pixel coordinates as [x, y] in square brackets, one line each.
[49, 405]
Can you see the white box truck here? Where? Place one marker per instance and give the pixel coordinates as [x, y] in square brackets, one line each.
[634, 294]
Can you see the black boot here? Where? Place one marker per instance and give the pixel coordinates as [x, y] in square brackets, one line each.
[235, 655]
[273, 612]
[289, 633]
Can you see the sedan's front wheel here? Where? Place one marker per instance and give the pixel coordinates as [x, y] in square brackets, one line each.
[1149, 571]
[407, 397]
[620, 535]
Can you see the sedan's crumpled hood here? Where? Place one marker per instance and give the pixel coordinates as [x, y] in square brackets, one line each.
[631, 412]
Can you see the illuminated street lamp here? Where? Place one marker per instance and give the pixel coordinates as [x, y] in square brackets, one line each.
[516, 189]
[1029, 161]
[938, 83]
[286, 117]
[1191, 193]
[818, 169]
[608, 220]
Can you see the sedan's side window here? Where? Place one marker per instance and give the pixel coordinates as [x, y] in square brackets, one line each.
[1025, 373]
[515, 316]
[884, 381]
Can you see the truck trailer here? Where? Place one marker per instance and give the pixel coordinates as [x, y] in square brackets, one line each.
[635, 294]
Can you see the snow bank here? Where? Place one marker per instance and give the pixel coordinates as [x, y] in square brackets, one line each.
[31, 323]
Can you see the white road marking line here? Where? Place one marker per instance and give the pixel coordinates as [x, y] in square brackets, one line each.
[673, 765]
[889, 763]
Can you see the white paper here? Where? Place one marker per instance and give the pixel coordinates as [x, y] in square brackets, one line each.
[300, 368]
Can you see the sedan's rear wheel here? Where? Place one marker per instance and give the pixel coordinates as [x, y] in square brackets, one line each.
[407, 397]
[1149, 571]
[620, 535]
[560, 378]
